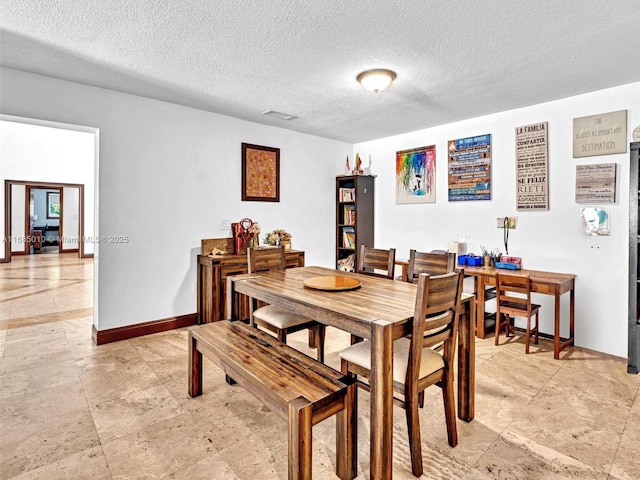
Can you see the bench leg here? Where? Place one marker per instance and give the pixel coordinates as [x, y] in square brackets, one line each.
[195, 368]
[347, 436]
[300, 416]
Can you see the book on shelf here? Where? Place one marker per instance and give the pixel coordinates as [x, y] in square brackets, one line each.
[347, 194]
[349, 238]
[349, 215]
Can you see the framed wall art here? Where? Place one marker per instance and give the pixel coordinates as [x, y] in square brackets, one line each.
[532, 168]
[596, 183]
[416, 175]
[260, 173]
[602, 134]
[469, 164]
[53, 205]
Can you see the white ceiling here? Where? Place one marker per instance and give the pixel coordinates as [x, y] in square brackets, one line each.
[454, 59]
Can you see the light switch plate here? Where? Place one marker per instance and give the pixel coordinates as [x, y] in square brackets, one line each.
[225, 224]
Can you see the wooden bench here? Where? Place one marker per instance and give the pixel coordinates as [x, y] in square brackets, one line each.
[296, 386]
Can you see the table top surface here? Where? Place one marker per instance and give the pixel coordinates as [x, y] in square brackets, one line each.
[376, 299]
[536, 275]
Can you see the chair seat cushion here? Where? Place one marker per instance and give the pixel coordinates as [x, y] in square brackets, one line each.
[360, 354]
[278, 317]
[517, 308]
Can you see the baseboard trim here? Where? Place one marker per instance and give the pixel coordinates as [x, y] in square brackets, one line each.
[100, 337]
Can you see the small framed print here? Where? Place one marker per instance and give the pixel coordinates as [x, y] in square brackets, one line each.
[260, 173]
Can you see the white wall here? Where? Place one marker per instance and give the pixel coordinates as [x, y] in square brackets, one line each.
[168, 174]
[18, 240]
[70, 226]
[40, 153]
[40, 207]
[547, 240]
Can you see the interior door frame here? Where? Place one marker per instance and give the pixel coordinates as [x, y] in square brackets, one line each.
[29, 184]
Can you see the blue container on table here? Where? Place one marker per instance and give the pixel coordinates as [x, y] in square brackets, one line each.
[462, 259]
[474, 261]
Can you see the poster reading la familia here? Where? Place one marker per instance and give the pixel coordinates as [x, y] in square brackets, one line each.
[469, 166]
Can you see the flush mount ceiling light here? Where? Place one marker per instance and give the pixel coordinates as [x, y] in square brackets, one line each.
[376, 80]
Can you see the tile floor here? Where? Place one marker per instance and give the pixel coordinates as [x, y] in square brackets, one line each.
[72, 410]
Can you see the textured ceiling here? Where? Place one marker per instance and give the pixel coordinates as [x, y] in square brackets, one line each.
[454, 59]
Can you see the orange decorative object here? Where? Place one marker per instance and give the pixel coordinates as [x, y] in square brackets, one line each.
[242, 235]
[334, 283]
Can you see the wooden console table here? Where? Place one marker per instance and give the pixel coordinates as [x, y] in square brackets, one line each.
[212, 281]
[547, 283]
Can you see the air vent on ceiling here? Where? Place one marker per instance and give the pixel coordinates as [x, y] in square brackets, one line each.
[279, 115]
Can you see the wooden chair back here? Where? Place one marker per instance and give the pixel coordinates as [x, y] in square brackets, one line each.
[435, 322]
[372, 261]
[431, 263]
[513, 294]
[264, 259]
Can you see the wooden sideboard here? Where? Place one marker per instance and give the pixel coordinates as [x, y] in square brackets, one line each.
[212, 282]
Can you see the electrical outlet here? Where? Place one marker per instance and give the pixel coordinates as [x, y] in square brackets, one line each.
[225, 224]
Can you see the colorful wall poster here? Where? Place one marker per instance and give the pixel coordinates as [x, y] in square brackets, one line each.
[416, 175]
[469, 166]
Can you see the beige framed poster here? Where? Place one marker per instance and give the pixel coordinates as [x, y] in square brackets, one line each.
[532, 168]
[596, 183]
[601, 134]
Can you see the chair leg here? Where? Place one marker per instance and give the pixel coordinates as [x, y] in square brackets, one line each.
[282, 335]
[527, 336]
[413, 428]
[344, 366]
[320, 333]
[449, 398]
[537, 325]
[497, 329]
[421, 399]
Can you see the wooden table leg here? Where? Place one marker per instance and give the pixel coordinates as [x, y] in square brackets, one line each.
[232, 308]
[479, 287]
[572, 311]
[556, 327]
[195, 368]
[466, 360]
[381, 400]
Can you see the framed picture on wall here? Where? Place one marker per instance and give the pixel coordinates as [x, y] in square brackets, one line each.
[260, 173]
[416, 175]
[53, 205]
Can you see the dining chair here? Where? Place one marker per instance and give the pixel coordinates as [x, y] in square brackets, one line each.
[513, 293]
[429, 262]
[422, 359]
[377, 263]
[272, 318]
[374, 261]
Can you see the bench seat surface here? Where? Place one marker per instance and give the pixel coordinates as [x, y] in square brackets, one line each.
[279, 372]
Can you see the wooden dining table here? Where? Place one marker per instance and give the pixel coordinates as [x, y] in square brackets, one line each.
[380, 310]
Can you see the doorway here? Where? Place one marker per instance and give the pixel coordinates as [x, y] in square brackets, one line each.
[45, 226]
[39, 154]
[43, 215]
